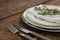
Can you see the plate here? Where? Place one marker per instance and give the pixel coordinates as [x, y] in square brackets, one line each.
[30, 18]
[39, 28]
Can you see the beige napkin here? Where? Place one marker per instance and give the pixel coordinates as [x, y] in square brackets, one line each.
[50, 18]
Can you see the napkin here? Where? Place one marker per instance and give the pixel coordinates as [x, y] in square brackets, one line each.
[49, 18]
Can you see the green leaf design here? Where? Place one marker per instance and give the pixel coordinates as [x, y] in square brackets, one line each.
[46, 11]
[37, 8]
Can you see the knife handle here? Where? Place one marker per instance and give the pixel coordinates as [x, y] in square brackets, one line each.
[26, 36]
[39, 36]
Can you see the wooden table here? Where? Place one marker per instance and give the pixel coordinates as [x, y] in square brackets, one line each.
[10, 15]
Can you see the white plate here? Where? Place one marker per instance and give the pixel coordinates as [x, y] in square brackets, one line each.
[29, 17]
[50, 30]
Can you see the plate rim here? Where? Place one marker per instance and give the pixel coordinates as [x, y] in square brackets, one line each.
[40, 28]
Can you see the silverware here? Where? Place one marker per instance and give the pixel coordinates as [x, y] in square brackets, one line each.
[15, 30]
[30, 32]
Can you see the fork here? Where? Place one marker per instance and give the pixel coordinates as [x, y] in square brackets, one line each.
[16, 31]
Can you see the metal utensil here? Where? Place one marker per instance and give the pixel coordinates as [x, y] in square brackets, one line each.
[30, 32]
[15, 30]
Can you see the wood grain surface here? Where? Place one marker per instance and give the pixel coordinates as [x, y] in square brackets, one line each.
[5, 34]
[9, 7]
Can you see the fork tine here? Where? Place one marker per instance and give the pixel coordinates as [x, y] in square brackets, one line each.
[12, 29]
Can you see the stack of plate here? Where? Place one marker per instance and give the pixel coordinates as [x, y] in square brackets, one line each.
[29, 18]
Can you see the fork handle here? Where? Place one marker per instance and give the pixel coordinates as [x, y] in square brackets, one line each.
[26, 36]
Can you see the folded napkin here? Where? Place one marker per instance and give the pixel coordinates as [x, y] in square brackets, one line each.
[49, 18]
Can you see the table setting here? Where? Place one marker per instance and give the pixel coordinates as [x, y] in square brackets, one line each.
[30, 20]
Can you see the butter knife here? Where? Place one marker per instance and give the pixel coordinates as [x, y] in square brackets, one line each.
[30, 32]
